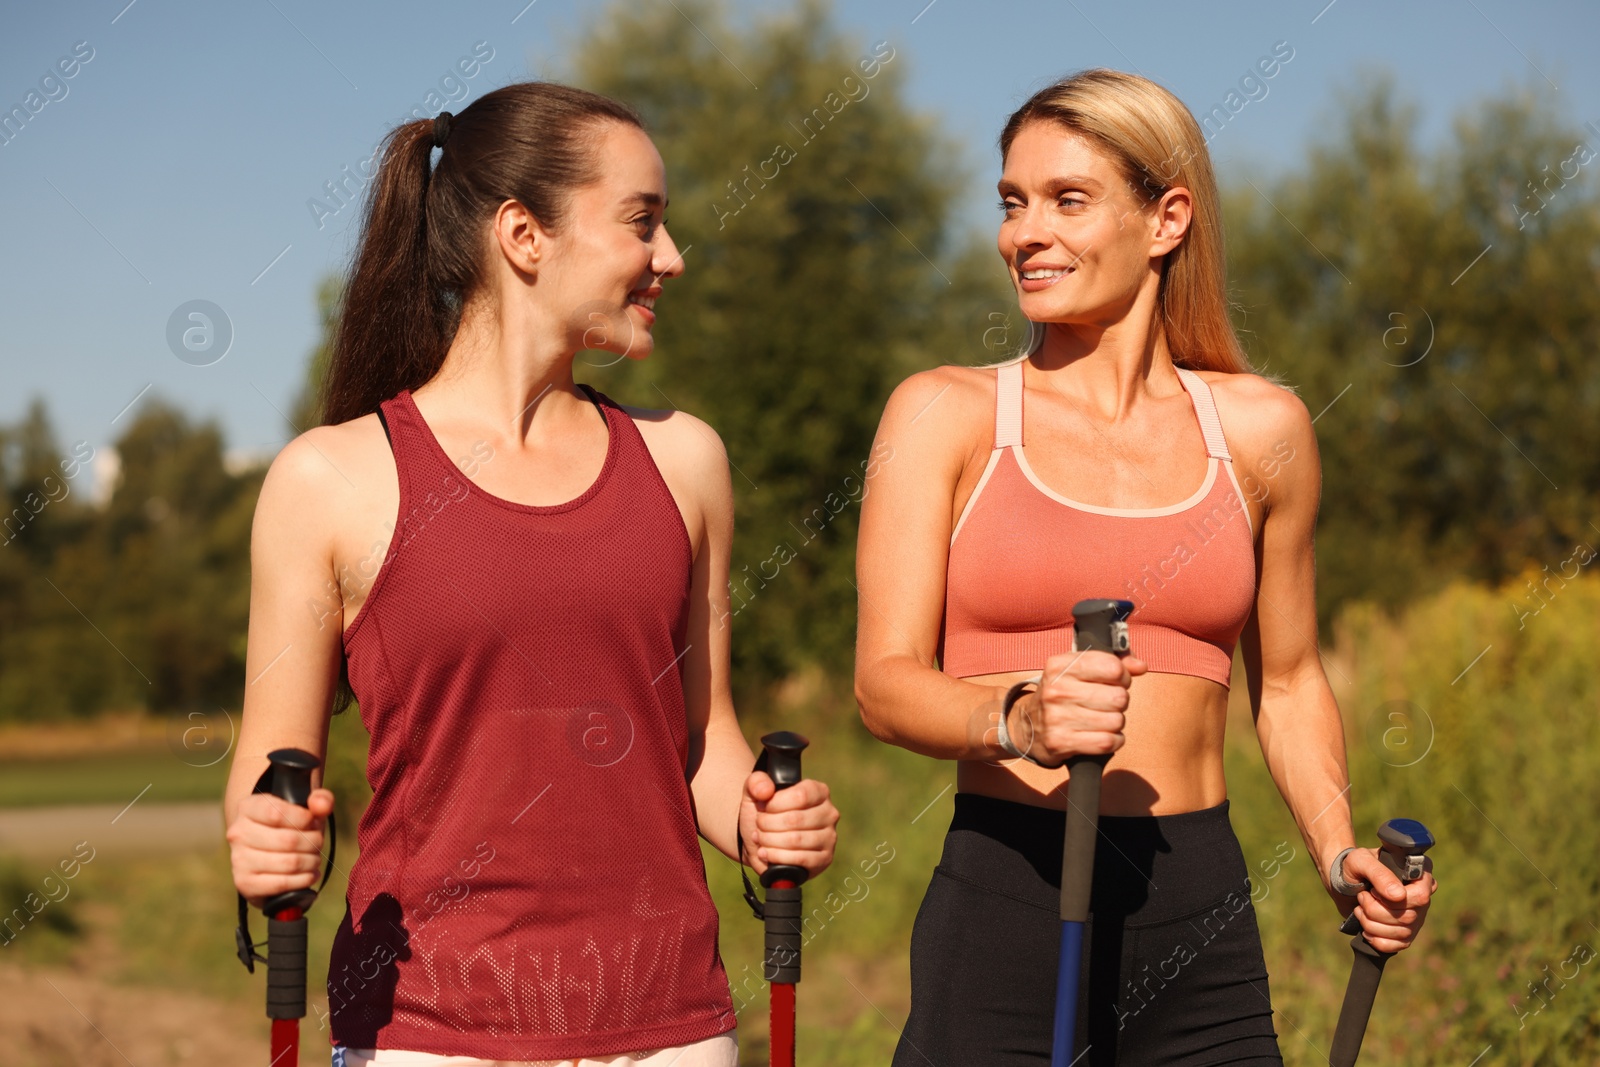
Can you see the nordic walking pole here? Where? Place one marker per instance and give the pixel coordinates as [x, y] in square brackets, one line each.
[782, 912]
[288, 778]
[1098, 626]
[780, 758]
[1404, 843]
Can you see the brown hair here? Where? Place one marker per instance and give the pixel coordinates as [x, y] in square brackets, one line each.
[421, 251]
[1157, 145]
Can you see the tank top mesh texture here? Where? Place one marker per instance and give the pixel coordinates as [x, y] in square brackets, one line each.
[530, 884]
[1021, 556]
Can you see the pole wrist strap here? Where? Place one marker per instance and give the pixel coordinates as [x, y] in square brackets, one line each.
[1015, 693]
[750, 898]
[1336, 878]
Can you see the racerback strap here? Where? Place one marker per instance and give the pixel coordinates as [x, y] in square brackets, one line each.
[1205, 409]
[1008, 404]
[1008, 408]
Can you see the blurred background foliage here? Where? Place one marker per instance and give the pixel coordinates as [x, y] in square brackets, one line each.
[1424, 302]
[1436, 313]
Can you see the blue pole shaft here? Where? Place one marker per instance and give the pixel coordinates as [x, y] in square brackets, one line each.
[1062, 1051]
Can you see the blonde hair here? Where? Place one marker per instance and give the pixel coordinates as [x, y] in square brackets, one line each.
[1157, 145]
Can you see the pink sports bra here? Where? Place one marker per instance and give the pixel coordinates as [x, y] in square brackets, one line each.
[1021, 555]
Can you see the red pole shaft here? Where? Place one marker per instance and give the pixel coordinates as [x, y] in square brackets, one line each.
[286, 1032]
[782, 1021]
[782, 1025]
[285, 1043]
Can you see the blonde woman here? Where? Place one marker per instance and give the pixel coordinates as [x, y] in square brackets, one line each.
[1128, 453]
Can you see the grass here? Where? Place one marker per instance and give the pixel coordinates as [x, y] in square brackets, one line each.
[1488, 732]
[1501, 760]
[108, 778]
[40, 907]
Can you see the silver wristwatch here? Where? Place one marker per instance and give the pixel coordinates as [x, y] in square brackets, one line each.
[1014, 694]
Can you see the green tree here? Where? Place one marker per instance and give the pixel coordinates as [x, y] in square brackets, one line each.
[44, 516]
[813, 206]
[39, 488]
[306, 410]
[179, 528]
[1449, 317]
[140, 604]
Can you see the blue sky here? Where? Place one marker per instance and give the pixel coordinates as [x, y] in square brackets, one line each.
[179, 163]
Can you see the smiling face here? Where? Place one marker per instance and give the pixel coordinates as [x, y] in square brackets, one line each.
[605, 266]
[1074, 237]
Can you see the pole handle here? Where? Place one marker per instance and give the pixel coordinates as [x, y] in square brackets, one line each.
[289, 778]
[1097, 626]
[781, 913]
[1404, 845]
[780, 753]
[782, 749]
[290, 774]
[1101, 626]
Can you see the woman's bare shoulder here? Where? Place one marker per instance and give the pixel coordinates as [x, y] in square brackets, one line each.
[948, 402]
[1256, 412]
[328, 470]
[965, 385]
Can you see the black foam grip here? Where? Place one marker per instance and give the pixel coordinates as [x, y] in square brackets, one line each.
[782, 962]
[1359, 994]
[286, 968]
[1083, 817]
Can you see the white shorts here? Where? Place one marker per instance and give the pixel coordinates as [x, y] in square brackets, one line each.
[719, 1051]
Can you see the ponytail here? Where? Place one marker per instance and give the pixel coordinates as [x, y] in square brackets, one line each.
[420, 257]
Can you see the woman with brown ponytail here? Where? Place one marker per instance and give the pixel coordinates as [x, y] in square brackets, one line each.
[521, 580]
[1159, 470]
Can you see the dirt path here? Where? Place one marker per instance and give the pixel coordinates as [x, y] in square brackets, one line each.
[144, 828]
[61, 1018]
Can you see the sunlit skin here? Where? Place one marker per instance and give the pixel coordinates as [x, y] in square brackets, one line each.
[1108, 423]
[505, 405]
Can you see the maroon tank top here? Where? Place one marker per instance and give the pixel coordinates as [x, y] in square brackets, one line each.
[530, 884]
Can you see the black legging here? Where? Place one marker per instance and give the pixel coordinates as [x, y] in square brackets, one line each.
[1173, 973]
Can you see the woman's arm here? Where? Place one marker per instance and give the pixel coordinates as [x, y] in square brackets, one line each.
[901, 556]
[796, 826]
[291, 667]
[901, 552]
[1297, 719]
